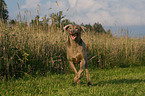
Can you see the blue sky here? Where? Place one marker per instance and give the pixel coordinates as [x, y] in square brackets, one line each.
[106, 12]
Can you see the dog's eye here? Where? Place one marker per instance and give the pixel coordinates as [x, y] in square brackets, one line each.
[70, 28]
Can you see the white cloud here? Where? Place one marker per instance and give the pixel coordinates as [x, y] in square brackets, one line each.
[110, 12]
[72, 3]
[31, 4]
[107, 12]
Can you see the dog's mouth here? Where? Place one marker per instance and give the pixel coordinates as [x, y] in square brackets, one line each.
[73, 36]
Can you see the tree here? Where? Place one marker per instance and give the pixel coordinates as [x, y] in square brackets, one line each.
[57, 18]
[98, 28]
[13, 22]
[109, 32]
[88, 27]
[3, 11]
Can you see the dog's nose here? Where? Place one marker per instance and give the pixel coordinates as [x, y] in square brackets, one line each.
[73, 31]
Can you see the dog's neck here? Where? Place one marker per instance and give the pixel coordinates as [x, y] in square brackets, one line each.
[74, 43]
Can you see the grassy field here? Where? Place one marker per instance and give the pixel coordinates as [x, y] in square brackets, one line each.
[32, 50]
[107, 82]
[33, 62]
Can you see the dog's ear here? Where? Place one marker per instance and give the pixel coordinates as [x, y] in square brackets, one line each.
[66, 27]
[83, 28]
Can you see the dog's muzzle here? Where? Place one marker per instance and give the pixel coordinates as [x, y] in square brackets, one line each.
[73, 35]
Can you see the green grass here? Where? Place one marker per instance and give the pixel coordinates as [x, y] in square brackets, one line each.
[33, 62]
[107, 82]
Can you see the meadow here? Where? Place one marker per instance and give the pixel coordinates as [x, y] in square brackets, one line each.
[33, 62]
[107, 82]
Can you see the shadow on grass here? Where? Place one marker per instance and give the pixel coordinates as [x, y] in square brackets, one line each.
[119, 81]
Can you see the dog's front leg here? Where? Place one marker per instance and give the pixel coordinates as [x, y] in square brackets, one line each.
[79, 75]
[73, 67]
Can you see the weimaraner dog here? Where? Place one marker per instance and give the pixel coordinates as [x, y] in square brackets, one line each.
[76, 52]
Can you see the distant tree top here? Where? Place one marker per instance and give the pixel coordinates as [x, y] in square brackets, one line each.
[3, 11]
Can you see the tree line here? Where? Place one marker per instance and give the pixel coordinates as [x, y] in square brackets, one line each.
[3, 11]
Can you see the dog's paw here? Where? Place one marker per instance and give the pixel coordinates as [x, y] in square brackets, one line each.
[89, 83]
[79, 81]
[75, 79]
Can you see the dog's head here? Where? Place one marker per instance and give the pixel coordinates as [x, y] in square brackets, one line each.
[74, 31]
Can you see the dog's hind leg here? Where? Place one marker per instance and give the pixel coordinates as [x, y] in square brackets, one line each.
[88, 75]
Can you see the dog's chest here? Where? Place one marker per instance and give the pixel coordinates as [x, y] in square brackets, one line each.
[76, 50]
[76, 56]
[75, 53]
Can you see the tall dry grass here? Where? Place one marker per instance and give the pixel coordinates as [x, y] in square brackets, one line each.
[115, 51]
[31, 50]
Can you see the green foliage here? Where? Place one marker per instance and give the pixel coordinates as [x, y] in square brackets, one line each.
[95, 28]
[3, 11]
[111, 82]
[109, 32]
[98, 28]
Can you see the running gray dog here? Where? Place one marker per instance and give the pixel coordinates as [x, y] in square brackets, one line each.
[76, 52]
